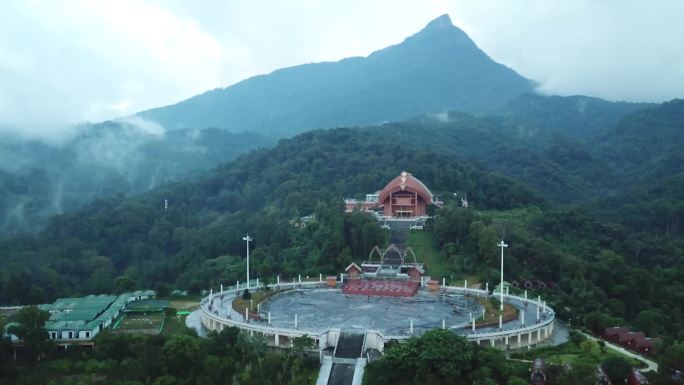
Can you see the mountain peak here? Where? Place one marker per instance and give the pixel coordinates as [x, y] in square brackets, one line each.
[442, 22]
[437, 69]
[443, 30]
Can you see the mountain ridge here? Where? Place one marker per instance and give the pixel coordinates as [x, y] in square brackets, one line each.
[439, 68]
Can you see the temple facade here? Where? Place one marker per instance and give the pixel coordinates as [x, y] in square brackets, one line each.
[403, 197]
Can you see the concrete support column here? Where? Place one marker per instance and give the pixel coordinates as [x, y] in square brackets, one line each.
[487, 287]
[269, 318]
[522, 320]
[300, 279]
[443, 324]
[278, 279]
[529, 338]
[341, 278]
[519, 335]
[296, 322]
[277, 339]
[411, 326]
[221, 288]
[506, 341]
[257, 282]
[443, 282]
[320, 277]
[473, 321]
[538, 335]
[500, 321]
[247, 315]
[525, 294]
[492, 342]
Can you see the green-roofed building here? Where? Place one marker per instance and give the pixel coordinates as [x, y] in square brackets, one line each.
[80, 319]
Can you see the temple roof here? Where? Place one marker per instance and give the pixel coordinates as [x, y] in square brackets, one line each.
[353, 266]
[406, 182]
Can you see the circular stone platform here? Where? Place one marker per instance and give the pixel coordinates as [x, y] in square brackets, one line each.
[323, 309]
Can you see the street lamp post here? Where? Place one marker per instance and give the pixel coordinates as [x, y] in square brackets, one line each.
[248, 239]
[501, 288]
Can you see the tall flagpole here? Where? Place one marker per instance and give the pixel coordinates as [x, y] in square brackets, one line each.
[501, 288]
[248, 239]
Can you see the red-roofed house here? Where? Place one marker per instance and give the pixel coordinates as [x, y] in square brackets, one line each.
[353, 271]
[647, 345]
[415, 273]
[629, 339]
[611, 334]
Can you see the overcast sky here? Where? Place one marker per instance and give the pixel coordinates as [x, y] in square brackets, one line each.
[63, 62]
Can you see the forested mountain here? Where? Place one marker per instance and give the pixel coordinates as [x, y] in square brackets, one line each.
[646, 144]
[560, 167]
[578, 116]
[198, 239]
[38, 180]
[435, 70]
[634, 237]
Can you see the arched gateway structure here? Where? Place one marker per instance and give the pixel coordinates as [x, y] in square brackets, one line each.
[403, 197]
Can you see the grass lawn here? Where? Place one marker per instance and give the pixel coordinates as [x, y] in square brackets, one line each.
[146, 322]
[569, 352]
[492, 314]
[174, 325]
[435, 264]
[473, 281]
[183, 303]
[240, 304]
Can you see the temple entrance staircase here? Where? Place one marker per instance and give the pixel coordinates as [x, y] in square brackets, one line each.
[347, 362]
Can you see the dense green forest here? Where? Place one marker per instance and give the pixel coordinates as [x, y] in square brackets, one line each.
[197, 241]
[441, 357]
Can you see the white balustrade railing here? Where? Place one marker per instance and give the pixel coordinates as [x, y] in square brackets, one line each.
[267, 329]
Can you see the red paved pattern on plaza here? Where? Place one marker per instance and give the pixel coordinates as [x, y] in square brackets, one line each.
[381, 288]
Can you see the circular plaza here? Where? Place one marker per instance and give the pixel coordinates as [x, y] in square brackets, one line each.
[320, 309]
[322, 312]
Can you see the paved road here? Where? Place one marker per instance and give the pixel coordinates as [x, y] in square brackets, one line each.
[650, 365]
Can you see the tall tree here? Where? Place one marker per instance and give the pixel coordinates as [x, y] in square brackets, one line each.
[29, 327]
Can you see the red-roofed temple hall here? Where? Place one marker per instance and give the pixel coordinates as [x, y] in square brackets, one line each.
[403, 197]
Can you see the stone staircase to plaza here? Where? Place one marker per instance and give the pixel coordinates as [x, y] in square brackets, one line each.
[347, 362]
